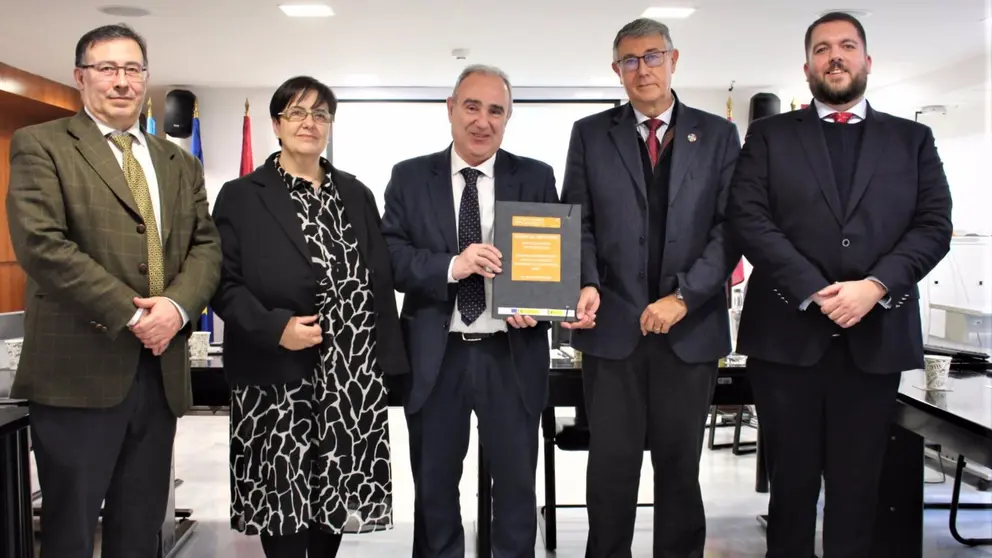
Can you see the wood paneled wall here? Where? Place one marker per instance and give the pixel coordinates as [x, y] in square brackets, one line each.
[25, 99]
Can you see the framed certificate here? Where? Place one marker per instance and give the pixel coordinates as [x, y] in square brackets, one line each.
[541, 247]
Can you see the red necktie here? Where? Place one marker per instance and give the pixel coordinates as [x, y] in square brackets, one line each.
[652, 140]
[841, 117]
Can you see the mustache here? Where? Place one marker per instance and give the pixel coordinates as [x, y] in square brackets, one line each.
[836, 66]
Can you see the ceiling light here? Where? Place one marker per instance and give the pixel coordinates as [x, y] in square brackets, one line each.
[124, 11]
[668, 13]
[853, 13]
[306, 10]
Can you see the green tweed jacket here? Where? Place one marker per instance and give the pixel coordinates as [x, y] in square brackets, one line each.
[75, 230]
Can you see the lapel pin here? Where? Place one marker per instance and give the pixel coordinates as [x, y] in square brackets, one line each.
[692, 138]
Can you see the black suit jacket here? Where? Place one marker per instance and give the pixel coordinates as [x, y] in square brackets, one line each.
[419, 226]
[267, 277]
[605, 174]
[786, 213]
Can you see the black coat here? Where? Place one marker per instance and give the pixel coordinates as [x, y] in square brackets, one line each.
[267, 277]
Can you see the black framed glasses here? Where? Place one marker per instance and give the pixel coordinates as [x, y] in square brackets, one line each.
[652, 59]
[110, 70]
[299, 114]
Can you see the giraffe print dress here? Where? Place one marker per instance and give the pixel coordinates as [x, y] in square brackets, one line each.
[316, 452]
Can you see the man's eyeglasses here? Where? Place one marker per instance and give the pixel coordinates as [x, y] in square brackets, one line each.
[652, 59]
[299, 114]
[109, 70]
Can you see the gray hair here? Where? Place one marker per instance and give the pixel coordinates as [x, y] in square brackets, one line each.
[642, 27]
[486, 71]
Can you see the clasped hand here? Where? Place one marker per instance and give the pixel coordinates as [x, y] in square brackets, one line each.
[846, 303]
[660, 316]
[159, 323]
[485, 260]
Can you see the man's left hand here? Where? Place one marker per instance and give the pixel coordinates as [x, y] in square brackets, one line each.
[846, 303]
[158, 325]
[660, 316]
[519, 321]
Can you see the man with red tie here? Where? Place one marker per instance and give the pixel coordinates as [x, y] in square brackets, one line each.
[842, 210]
[652, 177]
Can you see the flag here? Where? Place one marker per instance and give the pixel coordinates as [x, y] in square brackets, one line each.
[150, 127]
[247, 165]
[196, 147]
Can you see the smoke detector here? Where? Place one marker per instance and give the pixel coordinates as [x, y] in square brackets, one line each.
[124, 11]
[460, 53]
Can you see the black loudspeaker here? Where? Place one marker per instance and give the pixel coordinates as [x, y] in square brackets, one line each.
[764, 104]
[179, 113]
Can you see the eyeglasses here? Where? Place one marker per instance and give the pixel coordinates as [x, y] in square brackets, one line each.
[652, 59]
[299, 114]
[109, 70]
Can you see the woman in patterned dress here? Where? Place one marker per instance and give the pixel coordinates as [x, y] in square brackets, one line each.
[311, 340]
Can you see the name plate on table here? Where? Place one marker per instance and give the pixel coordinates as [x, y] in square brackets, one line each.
[541, 248]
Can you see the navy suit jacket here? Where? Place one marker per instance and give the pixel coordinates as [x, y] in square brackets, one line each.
[605, 174]
[419, 226]
[786, 213]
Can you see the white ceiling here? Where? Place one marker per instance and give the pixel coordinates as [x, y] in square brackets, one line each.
[541, 43]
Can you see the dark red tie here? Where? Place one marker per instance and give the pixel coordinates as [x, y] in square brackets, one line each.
[841, 117]
[652, 140]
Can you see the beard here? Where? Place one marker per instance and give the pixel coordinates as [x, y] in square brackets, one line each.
[825, 93]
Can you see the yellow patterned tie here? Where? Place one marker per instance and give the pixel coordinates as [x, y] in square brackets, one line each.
[139, 189]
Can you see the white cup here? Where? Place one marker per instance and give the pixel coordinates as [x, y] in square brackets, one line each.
[199, 345]
[937, 369]
[13, 351]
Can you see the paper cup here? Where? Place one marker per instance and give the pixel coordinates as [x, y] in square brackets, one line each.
[13, 351]
[937, 370]
[199, 344]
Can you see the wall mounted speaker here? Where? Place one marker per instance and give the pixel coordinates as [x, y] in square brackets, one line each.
[764, 104]
[179, 105]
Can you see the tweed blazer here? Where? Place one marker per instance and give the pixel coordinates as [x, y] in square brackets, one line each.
[78, 235]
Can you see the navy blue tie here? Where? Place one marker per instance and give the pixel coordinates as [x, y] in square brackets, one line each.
[472, 289]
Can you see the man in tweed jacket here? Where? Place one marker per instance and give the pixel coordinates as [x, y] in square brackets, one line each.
[105, 364]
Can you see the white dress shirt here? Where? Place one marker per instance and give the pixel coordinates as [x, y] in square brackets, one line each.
[642, 123]
[858, 111]
[144, 158]
[486, 185]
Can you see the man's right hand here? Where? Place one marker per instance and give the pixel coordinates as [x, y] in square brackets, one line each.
[483, 259]
[302, 332]
[586, 310]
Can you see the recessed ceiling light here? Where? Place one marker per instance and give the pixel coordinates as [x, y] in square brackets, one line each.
[855, 13]
[668, 13]
[124, 11]
[306, 10]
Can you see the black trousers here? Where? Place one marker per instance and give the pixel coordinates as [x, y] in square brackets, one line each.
[312, 543]
[650, 400]
[475, 376]
[828, 421]
[122, 454]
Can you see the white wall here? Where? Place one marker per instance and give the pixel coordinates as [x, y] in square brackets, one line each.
[221, 111]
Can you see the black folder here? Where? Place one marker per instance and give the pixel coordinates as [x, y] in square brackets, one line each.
[541, 248]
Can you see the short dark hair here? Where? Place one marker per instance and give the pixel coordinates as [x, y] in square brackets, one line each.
[297, 87]
[836, 16]
[109, 33]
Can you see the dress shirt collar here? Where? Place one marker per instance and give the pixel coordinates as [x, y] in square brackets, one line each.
[487, 167]
[105, 130]
[859, 110]
[665, 117]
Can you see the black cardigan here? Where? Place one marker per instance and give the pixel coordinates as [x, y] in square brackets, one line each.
[267, 277]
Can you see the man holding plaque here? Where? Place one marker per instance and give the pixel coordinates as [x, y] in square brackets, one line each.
[438, 223]
[652, 178]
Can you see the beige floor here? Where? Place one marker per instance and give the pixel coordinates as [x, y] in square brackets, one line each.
[727, 481]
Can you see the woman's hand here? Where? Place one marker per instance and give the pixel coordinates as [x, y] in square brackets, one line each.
[302, 332]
